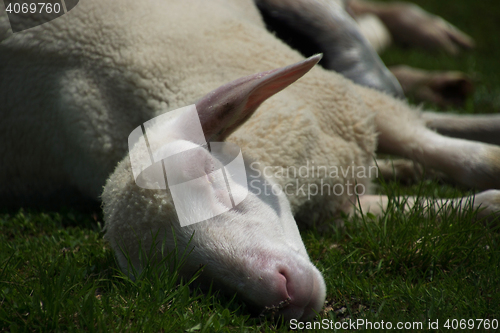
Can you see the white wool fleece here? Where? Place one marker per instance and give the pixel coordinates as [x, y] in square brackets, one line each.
[82, 83]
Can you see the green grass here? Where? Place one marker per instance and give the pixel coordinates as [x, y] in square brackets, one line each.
[57, 273]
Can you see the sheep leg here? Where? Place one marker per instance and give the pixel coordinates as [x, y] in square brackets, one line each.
[487, 203]
[406, 171]
[338, 36]
[484, 128]
[471, 163]
[444, 88]
[411, 25]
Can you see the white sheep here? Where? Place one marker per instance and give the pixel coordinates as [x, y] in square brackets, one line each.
[77, 87]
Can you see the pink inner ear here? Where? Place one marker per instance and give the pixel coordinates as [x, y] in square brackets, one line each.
[267, 90]
[276, 80]
[226, 108]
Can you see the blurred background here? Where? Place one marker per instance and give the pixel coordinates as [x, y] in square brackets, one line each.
[481, 21]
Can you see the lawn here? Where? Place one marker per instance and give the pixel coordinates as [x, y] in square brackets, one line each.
[57, 273]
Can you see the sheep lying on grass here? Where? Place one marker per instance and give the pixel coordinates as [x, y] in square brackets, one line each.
[77, 87]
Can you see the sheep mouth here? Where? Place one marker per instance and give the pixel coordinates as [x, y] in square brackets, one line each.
[273, 310]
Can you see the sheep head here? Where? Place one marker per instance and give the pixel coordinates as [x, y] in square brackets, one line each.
[251, 244]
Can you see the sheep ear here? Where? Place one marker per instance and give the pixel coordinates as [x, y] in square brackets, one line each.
[226, 108]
